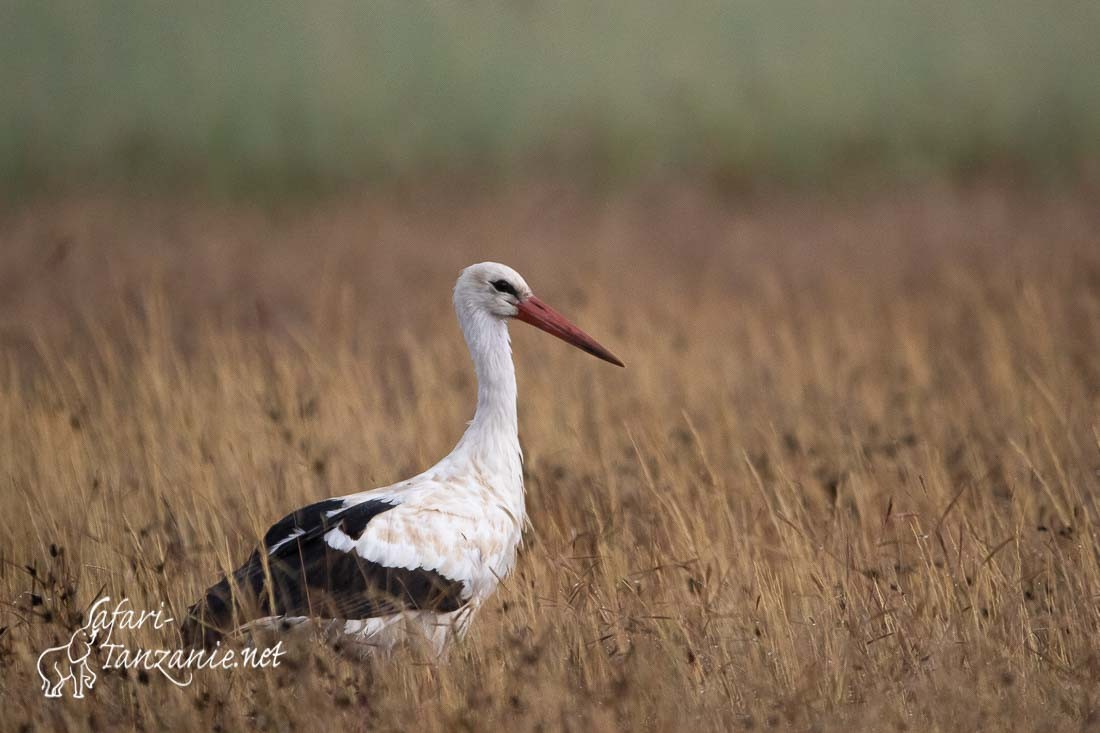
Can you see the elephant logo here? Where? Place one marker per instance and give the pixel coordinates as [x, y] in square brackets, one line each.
[67, 663]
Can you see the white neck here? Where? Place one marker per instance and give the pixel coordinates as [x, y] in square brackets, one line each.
[490, 444]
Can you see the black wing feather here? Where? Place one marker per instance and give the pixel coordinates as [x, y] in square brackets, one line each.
[305, 576]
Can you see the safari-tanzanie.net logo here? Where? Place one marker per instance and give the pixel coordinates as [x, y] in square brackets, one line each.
[69, 668]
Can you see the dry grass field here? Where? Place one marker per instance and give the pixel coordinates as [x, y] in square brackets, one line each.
[848, 480]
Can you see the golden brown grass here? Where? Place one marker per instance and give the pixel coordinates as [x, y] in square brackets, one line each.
[848, 479]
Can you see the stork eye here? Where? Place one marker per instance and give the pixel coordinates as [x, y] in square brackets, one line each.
[503, 286]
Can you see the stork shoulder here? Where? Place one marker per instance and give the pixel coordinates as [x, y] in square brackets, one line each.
[459, 533]
[314, 519]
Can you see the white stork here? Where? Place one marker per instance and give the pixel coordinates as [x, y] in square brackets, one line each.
[418, 557]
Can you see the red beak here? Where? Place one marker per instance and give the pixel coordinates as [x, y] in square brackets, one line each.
[538, 314]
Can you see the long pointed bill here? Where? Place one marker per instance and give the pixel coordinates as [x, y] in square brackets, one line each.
[538, 314]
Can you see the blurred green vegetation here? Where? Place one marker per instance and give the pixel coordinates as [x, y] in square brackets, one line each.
[286, 92]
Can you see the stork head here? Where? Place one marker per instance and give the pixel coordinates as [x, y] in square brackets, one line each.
[501, 292]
